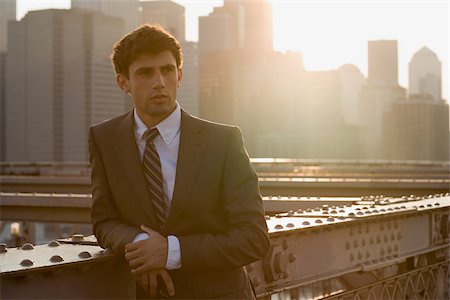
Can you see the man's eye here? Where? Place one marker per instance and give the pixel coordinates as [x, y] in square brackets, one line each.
[166, 70]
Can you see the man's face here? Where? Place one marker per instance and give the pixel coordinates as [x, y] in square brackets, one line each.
[152, 84]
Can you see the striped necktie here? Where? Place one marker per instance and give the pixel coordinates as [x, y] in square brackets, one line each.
[153, 175]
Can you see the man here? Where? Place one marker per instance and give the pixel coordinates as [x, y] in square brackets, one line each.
[174, 194]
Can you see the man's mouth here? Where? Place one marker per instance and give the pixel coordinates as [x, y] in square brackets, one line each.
[159, 96]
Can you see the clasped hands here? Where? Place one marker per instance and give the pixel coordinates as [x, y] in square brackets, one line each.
[147, 259]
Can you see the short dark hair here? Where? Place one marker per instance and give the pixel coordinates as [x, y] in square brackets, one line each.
[146, 39]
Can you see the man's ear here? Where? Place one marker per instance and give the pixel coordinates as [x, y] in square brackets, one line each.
[122, 82]
[180, 75]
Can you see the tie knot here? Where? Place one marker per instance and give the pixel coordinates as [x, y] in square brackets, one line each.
[151, 134]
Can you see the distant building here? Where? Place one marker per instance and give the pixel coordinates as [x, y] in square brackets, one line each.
[379, 93]
[425, 74]
[352, 82]
[60, 81]
[417, 129]
[7, 13]
[228, 38]
[188, 95]
[168, 14]
[128, 10]
[383, 63]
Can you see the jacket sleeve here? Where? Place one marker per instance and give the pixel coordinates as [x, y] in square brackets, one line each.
[246, 239]
[111, 231]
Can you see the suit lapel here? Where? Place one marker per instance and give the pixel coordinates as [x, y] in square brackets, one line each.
[192, 145]
[127, 152]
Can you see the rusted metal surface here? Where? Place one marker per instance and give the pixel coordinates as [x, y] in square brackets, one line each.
[377, 247]
[45, 207]
[62, 271]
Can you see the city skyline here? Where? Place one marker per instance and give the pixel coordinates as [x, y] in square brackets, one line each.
[345, 40]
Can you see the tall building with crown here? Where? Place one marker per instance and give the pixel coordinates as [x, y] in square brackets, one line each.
[425, 75]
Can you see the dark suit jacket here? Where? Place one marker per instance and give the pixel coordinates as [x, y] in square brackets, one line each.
[216, 209]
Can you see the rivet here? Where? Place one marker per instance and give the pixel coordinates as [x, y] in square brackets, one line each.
[342, 211]
[278, 216]
[421, 206]
[84, 254]
[341, 218]
[292, 257]
[330, 219]
[3, 248]
[403, 207]
[429, 205]
[347, 245]
[358, 209]
[333, 212]
[77, 237]
[390, 209]
[279, 226]
[290, 213]
[26, 263]
[351, 214]
[359, 213]
[27, 246]
[56, 258]
[382, 210]
[285, 274]
[290, 225]
[375, 211]
[368, 212]
[437, 204]
[305, 223]
[318, 221]
[53, 244]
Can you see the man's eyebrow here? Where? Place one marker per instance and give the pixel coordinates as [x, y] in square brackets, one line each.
[144, 69]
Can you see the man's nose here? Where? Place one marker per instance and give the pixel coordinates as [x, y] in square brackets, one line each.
[158, 83]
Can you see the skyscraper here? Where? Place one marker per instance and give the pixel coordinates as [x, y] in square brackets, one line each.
[379, 93]
[128, 10]
[234, 40]
[60, 81]
[417, 129]
[425, 74]
[383, 63]
[168, 14]
[7, 13]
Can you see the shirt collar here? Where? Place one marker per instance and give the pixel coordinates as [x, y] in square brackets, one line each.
[168, 128]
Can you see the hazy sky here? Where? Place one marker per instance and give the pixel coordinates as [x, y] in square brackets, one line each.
[334, 32]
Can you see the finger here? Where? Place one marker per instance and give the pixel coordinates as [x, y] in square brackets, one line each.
[132, 255]
[168, 282]
[141, 269]
[144, 281]
[135, 263]
[133, 246]
[153, 284]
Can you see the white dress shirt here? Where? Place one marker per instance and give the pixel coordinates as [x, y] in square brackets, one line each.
[166, 144]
